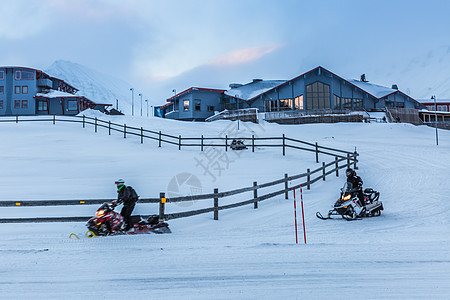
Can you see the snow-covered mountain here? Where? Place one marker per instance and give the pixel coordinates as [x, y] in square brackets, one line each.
[98, 87]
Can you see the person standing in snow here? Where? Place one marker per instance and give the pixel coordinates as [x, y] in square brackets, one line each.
[357, 184]
[128, 196]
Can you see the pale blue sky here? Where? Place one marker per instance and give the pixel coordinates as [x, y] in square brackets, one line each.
[160, 45]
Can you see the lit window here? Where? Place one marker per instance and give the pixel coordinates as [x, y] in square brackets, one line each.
[16, 103]
[298, 102]
[2, 90]
[197, 105]
[318, 95]
[24, 103]
[1, 104]
[24, 75]
[285, 104]
[25, 89]
[186, 105]
[17, 89]
[72, 105]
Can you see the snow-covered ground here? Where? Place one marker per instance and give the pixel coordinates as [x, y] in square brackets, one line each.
[247, 253]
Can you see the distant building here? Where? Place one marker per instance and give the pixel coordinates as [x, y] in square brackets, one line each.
[315, 90]
[441, 104]
[26, 91]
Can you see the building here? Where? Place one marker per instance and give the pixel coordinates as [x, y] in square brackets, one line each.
[441, 104]
[26, 91]
[313, 91]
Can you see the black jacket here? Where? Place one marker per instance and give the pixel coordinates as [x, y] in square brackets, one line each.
[356, 181]
[127, 195]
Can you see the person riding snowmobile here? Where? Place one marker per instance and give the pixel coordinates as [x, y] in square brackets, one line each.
[128, 196]
[357, 184]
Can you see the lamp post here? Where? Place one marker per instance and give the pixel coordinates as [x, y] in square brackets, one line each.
[140, 95]
[146, 101]
[435, 119]
[237, 107]
[132, 101]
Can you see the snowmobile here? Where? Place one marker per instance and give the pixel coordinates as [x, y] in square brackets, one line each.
[349, 207]
[109, 222]
[237, 145]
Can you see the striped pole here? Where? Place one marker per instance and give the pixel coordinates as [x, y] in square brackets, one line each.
[303, 215]
[295, 217]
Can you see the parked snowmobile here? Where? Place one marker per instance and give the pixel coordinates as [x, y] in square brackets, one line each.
[348, 205]
[109, 222]
[238, 145]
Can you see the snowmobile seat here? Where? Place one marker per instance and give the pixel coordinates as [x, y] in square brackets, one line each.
[368, 191]
[153, 219]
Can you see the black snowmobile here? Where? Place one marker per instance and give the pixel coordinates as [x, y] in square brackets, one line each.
[349, 207]
[109, 222]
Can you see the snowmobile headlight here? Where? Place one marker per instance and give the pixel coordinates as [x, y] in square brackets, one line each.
[347, 197]
[99, 213]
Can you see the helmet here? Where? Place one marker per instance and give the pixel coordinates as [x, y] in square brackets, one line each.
[349, 172]
[120, 182]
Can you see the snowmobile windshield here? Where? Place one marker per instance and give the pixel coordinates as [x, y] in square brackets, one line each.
[348, 187]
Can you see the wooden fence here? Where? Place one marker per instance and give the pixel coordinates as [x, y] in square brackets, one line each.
[252, 142]
[342, 159]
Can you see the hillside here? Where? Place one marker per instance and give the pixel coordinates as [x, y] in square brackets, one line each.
[247, 253]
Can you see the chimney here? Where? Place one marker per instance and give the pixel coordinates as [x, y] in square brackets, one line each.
[234, 85]
[394, 87]
[256, 80]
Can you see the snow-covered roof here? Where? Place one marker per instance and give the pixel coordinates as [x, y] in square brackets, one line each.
[431, 101]
[376, 90]
[253, 89]
[55, 94]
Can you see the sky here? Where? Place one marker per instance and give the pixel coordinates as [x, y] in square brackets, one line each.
[159, 46]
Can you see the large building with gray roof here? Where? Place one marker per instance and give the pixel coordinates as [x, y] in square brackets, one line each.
[313, 91]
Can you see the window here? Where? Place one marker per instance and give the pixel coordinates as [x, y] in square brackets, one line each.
[42, 105]
[337, 102]
[24, 75]
[186, 105]
[2, 90]
[1, 104]
[298, 102]
[197, 105]
[2, 75]
[16, 103]
[318, 95]
[347, 103]
[357, 103]
[210, 108]
[285, 104]
[72, 105]
[24, 103]
[25, 89]
[17, 89]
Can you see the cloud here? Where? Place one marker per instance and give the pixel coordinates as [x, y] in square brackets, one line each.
[243, 56]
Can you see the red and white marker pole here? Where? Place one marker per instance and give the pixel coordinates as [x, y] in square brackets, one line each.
[295, 217]
[303, 215]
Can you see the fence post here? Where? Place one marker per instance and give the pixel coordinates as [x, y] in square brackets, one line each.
[253, 143]
[162, 202]
[323, 170]
[95, 123]
[54, 119]
[216, 204]
[109, 127]
[159, 140]
[124, 131]
[17, 118]
[255, 194]
[179, 142]
[142, 135]
[348, 160]
[337, 166]
[286, 193]
[202, 142]
[355, 155]
[317, 153]
[284, 147]
[308, 178]
[84, 122]
[226, 143]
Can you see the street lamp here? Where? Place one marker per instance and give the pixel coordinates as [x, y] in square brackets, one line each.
[140, 95]
[132, 101]
[237, 107]
[435, 118]
[146, 101]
